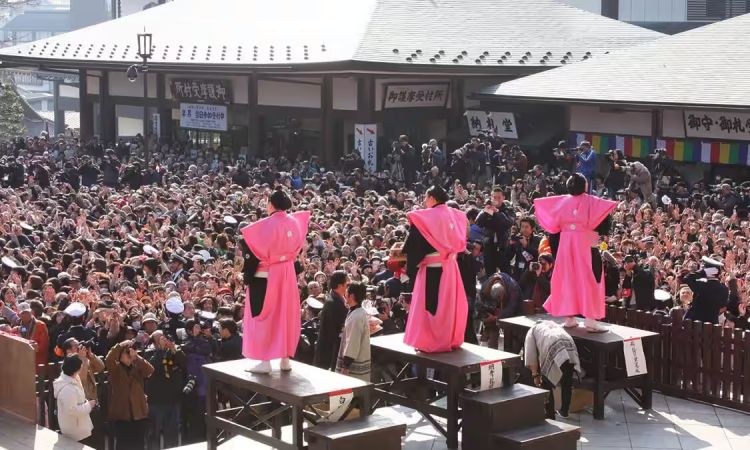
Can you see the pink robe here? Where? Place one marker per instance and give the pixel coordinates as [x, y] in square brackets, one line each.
[276, 241]
[444, 228]
[574, 289]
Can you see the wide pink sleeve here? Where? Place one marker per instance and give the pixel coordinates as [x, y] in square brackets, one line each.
[599, 209]
[303, 222]
[253, 236]
[545, 209]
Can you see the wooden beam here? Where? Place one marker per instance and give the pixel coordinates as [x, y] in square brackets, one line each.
[107, 111]
[86, 108]
[326, 120]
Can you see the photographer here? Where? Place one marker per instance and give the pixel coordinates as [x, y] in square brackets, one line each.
[525, 247]
[499, 298]
[496, 221]
[615, 180]
[127, 407]
[164, 389]
[92, 365]
[640, 181]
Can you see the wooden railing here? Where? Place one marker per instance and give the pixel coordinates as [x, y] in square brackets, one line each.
[695, 360]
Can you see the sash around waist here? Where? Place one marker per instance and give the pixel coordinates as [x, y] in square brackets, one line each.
[282, 259]
[435, 260]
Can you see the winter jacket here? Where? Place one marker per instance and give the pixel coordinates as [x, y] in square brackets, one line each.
[127, 397]
[72, 408]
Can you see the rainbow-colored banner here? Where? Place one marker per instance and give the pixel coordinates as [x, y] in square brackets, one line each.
[632, 146]
[685, 150]
[713, 152]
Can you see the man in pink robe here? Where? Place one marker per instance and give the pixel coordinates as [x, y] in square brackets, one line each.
[438, 311]
[271, 322]
[577, 286]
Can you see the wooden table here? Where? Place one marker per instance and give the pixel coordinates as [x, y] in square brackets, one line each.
[20, 434]
[601, 355]
[394, 361]
[270, 398]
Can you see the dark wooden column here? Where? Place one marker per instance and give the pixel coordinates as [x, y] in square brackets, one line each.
[59, 111]
[85, 106]
[457, 103]
[164, 109]
[611, 9]
[253, 131]
[107, 110]
[366, 98]
[326, 119]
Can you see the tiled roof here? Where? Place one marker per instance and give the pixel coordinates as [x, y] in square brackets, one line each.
[494, 33]
[54, 21]
[705, 67]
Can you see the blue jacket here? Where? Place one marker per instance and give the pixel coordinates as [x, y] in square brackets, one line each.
[588, 163]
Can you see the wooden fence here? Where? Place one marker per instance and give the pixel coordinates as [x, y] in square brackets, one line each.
[695, 360]
[46, 395]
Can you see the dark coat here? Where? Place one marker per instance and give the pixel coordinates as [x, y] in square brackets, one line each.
[127, 396]
[709, 297]
[332, 318]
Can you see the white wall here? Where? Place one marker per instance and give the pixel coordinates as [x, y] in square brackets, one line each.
[653, 10]
[280, 93]
[594, 6]
[92, 86]
[672, 123]
[593, 119]
[69, 91]
[345, 93]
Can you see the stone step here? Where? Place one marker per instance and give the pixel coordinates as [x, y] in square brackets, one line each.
[546, 436]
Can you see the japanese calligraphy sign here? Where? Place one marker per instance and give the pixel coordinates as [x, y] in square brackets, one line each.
[717, 125]
[156, 124]
[490, 374]
[202, 91]
[366, 143]
[416, 95]
[338, 403]
[203, 117]
[635, 359]
[501, 124]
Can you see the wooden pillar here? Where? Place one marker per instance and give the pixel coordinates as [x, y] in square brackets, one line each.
[164, 109]
[107, 111]
[59, 112]
[326, 120]
[253, 131]
[85, 106]
[366, 98]
[457, 103]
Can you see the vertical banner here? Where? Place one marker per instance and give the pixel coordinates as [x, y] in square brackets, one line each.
[366, 144]
[490, 375]
[635, 359]
[156, 124]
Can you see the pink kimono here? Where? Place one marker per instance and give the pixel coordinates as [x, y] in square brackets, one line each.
[276, 241]
[444, 228]
[574, 289]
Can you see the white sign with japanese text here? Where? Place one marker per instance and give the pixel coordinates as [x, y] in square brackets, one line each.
[501, 124]
[203, 117]
[635, 359]
[156, 124]
[717, 125]
[366, 143]
[416, 95]
[490, 375]
[338, 403]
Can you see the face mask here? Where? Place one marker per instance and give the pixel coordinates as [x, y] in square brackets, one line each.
[136, 325]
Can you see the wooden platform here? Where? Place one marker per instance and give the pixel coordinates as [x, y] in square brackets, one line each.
[601, 355]
[397, 362]
[17, 434]
[267, 399]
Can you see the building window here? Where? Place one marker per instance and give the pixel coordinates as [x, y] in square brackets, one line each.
[711, 10]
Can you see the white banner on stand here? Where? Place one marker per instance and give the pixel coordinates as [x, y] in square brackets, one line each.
[491, 374]
[338, 403]
[635, 359]
[366, 143]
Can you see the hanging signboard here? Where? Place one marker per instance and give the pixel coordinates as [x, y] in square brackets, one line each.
[501, 124]
[202, 91]
[156, 124]
[366, 143]
[434, 95]
[717, 125]
[203, 117]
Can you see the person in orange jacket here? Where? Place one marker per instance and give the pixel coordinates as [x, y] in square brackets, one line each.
[35, 331]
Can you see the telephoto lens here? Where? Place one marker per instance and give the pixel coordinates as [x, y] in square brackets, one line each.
[189, 386]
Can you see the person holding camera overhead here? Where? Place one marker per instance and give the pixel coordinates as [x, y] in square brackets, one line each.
[164, 389]
[496, 220]
[92, 365]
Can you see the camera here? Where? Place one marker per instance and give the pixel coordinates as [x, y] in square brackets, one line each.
[190, 385]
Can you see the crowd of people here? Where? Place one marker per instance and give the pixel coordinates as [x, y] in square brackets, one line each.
[113, 263]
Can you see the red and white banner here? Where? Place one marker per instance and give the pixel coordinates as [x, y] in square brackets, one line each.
[366, 143]
[338, 403]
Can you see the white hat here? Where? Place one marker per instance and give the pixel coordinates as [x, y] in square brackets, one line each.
[660, 295]
[229, 220]
[149, 249]
[75, 309]
[174, 305]
[206, 315]
[24, 307]
[314, 303]
[198, 258]
[206, 256]
[666, 200]
[149, 317]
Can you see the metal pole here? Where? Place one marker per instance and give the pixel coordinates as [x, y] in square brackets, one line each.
[145, 113]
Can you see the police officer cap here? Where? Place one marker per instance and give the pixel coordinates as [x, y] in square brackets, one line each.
[174, 305]
[75, 309]
[230, 220]
[710, 262]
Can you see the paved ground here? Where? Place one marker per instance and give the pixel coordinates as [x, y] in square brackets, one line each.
[672, 424]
